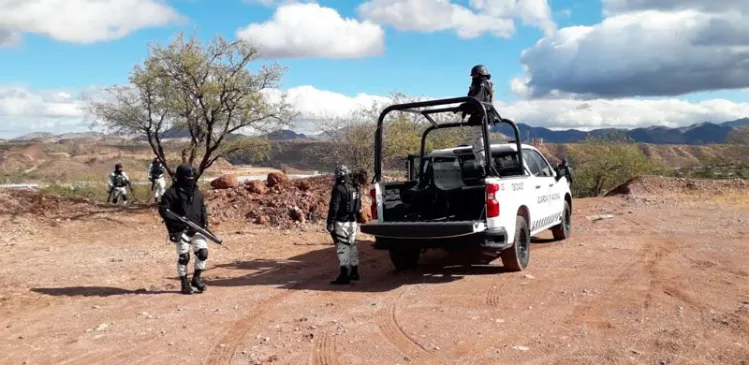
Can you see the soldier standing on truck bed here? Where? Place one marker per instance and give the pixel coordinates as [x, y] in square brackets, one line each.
[343, 212]
[481, 89]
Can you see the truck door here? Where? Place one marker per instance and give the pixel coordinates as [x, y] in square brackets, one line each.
[542, 183]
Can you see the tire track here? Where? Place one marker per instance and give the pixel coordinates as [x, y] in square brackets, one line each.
[235, 335]
[395, 334]
[494, 294]
[224, 349]
[325, 350]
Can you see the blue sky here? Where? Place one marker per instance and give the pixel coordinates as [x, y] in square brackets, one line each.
[419, 61]
[431, 64]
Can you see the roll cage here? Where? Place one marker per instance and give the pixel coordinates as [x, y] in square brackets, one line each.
[431, 107]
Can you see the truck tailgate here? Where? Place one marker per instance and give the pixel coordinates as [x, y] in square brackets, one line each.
[423, 230]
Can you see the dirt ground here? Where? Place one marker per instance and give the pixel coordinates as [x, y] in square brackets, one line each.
[665, 281]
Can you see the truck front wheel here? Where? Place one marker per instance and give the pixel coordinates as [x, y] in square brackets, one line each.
[516, 258]
[404, 258]
[562, 230]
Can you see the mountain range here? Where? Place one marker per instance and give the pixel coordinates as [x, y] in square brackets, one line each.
[697, 134]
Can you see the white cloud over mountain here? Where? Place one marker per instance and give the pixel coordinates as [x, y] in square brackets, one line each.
[643, 48]
[311, 30]
[23, 111]
[81, 21]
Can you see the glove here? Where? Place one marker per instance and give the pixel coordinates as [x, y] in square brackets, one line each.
[330, 228]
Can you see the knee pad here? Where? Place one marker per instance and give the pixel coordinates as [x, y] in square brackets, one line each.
[202, 254]
[183, 259]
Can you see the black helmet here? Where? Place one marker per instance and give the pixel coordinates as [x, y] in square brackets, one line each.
[479, 70]
[184, 172]
[118, 167]
[156, 159]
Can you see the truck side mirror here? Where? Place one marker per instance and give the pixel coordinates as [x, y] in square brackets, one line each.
[562, 171]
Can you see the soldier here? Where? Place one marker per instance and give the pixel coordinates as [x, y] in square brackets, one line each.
[483, 90]
[155, 174]
[185, 199]
[343, 212]
[117, 183]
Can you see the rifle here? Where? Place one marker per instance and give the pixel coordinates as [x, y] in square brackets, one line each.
[199, 229]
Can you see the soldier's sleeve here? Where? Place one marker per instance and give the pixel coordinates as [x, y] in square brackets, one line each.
[333, 206]
[167, 201]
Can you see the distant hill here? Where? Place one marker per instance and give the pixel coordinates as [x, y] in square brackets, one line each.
[33, 137]
[45, 137]
[285, 135]
[697, 134]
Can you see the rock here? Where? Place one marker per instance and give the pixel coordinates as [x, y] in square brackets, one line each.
[225, 182]
[276, 178]
[302, 185]
[521, 348]
[594, 218]
[262, 220]
[255, 187]
[529, 276]
[101, 327]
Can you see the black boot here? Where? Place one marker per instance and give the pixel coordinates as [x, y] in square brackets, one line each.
[185, 285]
[197, 282]
[343, 277]
[354, 273]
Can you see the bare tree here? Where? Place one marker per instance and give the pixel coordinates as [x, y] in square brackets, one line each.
[353, 136]
[205, 90]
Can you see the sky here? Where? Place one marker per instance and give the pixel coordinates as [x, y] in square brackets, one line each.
[555, 63]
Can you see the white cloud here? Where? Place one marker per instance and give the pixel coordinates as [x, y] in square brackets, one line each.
[551, 113]
[482, 16]
[81, 21]
[23, 111]
[621, 113]
[9, 39]
[311, 30]
[681, 47]
[613, 7]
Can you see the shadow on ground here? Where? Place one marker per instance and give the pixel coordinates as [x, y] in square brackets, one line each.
[95, 291]
[314, 269]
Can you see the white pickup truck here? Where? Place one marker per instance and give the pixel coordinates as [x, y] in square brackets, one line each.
[449, 202]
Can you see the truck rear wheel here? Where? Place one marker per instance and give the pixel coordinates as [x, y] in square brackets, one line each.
[516, 258]
[562, 230]
[404, 258]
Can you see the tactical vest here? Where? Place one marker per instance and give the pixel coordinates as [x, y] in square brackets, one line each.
[157, 170]
[353, 203]
[119, 181]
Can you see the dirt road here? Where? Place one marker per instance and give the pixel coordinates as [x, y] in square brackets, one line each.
[660, 283]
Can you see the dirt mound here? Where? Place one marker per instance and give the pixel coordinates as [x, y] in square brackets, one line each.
[19, 202]
[286, 204]
[657, 185]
